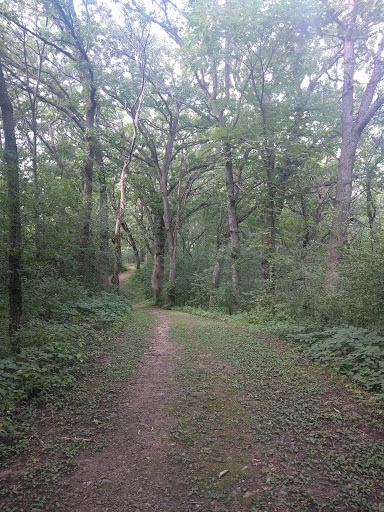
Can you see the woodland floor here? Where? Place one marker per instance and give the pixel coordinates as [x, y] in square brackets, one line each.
[178, 414]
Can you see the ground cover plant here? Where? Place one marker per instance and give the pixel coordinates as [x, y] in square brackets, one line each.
[249, 424]
[263, 426]
[50, 431]
[352, 351]
[47, 355]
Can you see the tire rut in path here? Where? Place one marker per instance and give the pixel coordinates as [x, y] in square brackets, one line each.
[133, 473]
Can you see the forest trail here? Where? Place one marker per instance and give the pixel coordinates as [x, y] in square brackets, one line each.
[186, 414]
[125, 274]
[217, 419]
[136, 475]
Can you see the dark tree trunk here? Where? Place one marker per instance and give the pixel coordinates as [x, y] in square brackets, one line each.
[87, 182]
[268, 238]
[53, 149]
[11, 162]
[103, 218]
[132, 243]
[158, 260]
[269, 232]
[136, 252]
[232, 222]
[170, 224]
[217, 268]
[370, 206]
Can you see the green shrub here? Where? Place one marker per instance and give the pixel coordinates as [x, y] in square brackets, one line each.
[48, 354]
[353, 351]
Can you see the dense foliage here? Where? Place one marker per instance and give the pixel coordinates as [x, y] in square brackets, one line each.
[62, 332]
[233, 150]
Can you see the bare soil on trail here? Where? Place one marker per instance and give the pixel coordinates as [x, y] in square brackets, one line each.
[132, 474]
[124, 275]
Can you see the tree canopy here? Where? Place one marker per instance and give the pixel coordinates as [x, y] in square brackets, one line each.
[233, 150]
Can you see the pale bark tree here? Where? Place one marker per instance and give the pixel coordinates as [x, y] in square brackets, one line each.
[356, 114]
[135, 111]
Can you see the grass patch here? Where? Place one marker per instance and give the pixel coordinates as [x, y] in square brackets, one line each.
[352, 351]
[289, 434]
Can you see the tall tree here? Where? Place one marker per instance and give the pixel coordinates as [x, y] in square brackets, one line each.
[135, 111]
[11, 163]
[357, 111]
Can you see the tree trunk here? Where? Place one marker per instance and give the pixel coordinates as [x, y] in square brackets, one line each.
[338, 235]
[172, 237]
[11, 162]
[232, 223]
[268, 248]
[103, 218]
[158, 260]
[117, 249]
[132, 243]
[53, 149]
[352, 127]
[370, 206]
[136, 252]
[87, 181]
[216, 269]
[170, 227]
[172, 243]
[269, 233]
[119, 219]
[350, 138]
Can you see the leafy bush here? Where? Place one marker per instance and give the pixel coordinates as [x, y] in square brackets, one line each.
[37, 369]
[50, 297]
[353, 351]
[48, 354]
[362, 291]
[105, 308]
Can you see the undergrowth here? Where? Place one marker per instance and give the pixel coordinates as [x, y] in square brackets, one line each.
[138, 285]
[39, 458]
[261, 428]
[46, 356]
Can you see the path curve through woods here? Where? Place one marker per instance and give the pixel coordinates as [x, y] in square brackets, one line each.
[133, 473]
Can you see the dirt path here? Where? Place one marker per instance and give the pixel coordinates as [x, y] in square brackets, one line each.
[133, 473]
[213, 419]
[125, 274]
